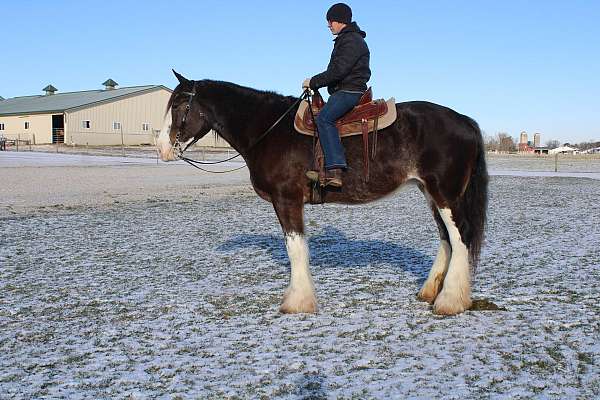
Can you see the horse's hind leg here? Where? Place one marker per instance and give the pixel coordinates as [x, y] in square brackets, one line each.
[455, 296]
[300, 296]
[437, 273]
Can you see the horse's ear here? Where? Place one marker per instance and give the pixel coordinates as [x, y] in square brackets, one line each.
[179, 77]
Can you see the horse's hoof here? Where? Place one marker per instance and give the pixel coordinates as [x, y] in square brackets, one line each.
[428, 293]
[295, 302]
[451, 305]
[427, 297]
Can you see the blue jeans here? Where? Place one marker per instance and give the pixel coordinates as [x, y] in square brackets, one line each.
[338, 104]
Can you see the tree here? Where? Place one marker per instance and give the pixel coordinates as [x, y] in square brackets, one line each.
[587, 145]
[505, 142]
[490, 142]
[501, 141]
[552, 144]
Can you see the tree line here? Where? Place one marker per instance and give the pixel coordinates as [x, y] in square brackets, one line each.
[504, 143]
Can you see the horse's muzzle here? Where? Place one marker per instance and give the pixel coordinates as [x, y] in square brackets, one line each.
[168, 155]
[166, 151]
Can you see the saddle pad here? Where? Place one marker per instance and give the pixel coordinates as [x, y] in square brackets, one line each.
[349, 129]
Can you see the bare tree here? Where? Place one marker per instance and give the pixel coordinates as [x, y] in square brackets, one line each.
[587, 145]
[552, 144]
[490, 142]
[505, 142]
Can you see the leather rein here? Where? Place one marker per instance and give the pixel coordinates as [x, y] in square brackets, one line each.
[194, 163]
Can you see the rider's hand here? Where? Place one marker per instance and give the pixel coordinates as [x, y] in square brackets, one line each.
[306, 83]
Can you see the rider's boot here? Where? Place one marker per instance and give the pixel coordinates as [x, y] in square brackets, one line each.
[333, 177]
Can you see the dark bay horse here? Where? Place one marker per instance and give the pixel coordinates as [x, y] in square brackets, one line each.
[437, 148]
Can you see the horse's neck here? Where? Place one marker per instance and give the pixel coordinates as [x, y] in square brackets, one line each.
[244, 118]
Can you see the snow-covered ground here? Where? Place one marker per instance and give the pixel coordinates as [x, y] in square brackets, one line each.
[174, 294]
[48, 159]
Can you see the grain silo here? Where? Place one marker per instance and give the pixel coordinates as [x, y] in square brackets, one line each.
[523, 139]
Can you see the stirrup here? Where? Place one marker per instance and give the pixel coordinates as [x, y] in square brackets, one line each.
[313, 175]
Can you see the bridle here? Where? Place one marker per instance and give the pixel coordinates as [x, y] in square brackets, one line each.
[178, 147]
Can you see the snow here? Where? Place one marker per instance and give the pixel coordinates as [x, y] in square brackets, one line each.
[176, 296]
[45, 159]
[590, 175]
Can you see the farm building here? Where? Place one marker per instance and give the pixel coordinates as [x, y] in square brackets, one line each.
[595, 150]
[564, 150]
[109, 116]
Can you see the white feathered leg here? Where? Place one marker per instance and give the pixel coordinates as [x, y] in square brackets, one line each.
[434, 281]
[300, 294]
[455, 296]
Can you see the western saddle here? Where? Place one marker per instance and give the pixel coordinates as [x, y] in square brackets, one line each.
[368, 116]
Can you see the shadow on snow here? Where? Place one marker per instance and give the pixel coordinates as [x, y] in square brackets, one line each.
[331, 248]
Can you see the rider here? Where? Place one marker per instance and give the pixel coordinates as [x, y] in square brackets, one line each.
[346, 80]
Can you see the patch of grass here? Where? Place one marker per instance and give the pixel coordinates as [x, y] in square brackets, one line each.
[555, 353]
[585, 359]
[540, 365]
[76, 358]
[471, 379]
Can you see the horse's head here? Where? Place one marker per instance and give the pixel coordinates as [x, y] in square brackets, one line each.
[186, 119]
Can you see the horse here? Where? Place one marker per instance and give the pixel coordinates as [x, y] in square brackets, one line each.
[433, 146]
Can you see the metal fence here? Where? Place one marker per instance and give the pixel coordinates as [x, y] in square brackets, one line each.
[58, 135]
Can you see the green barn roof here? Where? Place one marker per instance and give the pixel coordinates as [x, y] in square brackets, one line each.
[61, 102]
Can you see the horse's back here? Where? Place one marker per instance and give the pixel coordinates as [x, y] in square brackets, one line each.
[436, 137]
[442, 120]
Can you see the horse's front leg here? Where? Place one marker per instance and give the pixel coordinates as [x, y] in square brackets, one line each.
[300, 294]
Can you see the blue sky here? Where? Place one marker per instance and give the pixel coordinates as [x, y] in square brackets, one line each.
[511, 65]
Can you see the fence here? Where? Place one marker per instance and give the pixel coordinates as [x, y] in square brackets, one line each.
[553, 162]
[58, 135]
[6, 143]
[27, 136]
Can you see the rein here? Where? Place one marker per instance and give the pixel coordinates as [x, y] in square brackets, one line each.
[194, 163]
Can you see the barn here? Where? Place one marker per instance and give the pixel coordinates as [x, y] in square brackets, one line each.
[109, 116]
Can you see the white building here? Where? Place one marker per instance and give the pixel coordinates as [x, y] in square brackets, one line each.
[109, 116]
[595, 150]
[564, 150]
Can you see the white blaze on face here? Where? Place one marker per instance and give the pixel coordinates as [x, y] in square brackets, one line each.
[163, 143]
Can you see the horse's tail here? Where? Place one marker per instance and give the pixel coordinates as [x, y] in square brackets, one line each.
[474, 201]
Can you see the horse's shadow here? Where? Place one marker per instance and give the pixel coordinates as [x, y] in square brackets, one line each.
[331, 248]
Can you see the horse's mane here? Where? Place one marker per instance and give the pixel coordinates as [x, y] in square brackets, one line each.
[234, 91]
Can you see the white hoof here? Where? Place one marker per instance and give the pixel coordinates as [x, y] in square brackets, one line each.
[430, 289]
[451, 304]
[296, 301]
